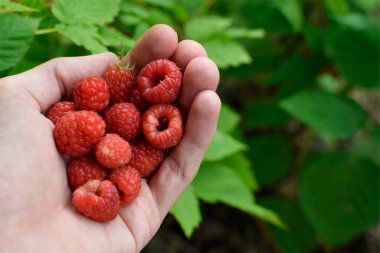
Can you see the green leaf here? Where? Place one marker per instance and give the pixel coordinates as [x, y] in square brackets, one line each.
[218, 183]
[271, 157]
[158, 16]
[204, 28]
[222, 146]
[8, 6]
[266, 215]
[292, 11]
[338, 7]
[263, 114]
[340, 196]
[83, 35]
[227, 53]
[186, 211]
[242, 167]
[228, 119]
[366, 5]
[160, 3]
[361, 67]
[299, 236]
[367, 146]
[327, 114]
[97, 12]
[15, 38]
[111, 37]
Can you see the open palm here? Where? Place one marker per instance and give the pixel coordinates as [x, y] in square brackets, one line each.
[36, 212]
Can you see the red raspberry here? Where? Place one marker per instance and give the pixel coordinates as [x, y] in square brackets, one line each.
[56, 111]
[77, 132]
[162, 126]
[92, 94]
[138, 100]
[82, 170]
[97, 200]
[123, 119]
[127, 179]
[120, 82]
[146, 158]
[112, 151]
[159, 81]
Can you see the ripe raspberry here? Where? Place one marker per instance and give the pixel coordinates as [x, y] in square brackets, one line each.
[139, 101]
[120, 82]
[112, 151]
[92, 94]
[159, 81]
[162, 126]
[146, 158]
[127, 179]
[77, 132]
[123, 119]
[97, 200]
[56, 111]
[83, 169]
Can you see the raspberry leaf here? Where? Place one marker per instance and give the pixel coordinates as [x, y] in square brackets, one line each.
[83, 35]
[97, 12]
[15, 38]
[219, 183]
[222, 146]
[187, 212]
[329, 115]
[340, 195]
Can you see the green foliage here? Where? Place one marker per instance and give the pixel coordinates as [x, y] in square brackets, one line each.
[352, 186]
[291, 127]
[299, 235]
[186, 210]
[327, 114]
[15, 38]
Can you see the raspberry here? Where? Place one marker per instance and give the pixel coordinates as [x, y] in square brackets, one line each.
[91, 93]
[112, 151]
[159, 81]
[162, 126]
[120, 82]
[97, 200]
[127, 180]
[56, 111]
[83, 169]
[77, 132]
[138, 100]
[123, 119]
[146, 158]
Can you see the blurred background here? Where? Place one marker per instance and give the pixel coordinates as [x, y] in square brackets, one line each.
[294, 165]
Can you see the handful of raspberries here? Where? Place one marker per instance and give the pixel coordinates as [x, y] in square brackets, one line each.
[117, 130]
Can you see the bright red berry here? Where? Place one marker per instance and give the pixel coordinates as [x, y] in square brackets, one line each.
[77, 132]
[146, 158]
[124, 120]
[127, 179]
[162, 126]
[159, 81]
[97, 200]
[139, 101]
[120, 82]
[83, 169]
[112, 151]
[92, 94]
[56, 111]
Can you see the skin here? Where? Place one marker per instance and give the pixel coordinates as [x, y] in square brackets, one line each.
[36, 214]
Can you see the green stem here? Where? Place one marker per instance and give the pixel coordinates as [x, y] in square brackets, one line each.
[45, 31]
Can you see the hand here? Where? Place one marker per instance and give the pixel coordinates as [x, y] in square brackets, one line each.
[36, 212]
